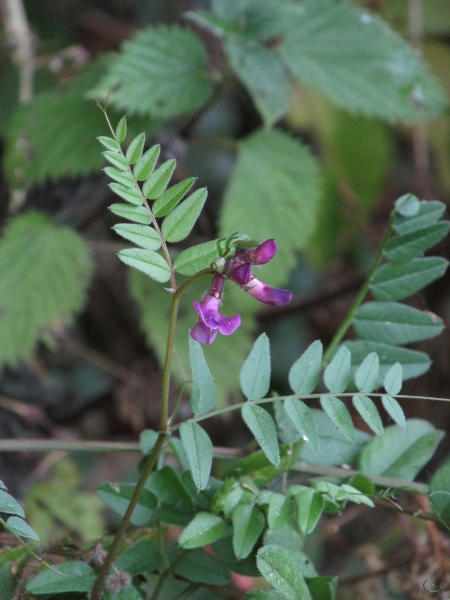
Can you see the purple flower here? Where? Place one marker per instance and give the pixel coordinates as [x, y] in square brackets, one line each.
[211, 321]
[265, 293]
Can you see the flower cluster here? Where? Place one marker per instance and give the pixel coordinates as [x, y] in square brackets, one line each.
[238, 268]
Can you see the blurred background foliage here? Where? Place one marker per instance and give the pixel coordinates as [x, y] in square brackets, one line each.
[318, 177]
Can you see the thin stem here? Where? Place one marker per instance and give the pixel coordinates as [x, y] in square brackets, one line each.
[146, 470]
[170, 569]
[362, 294]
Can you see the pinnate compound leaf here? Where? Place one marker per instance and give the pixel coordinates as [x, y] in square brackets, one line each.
[440, 491]
[145, 165]
[117, 496]
[364, 66]
[138, 214]
[205, 528]
[44, 273]
[199, 451]
[203, 394]
[409, 245]
[395, 282]
[393, 379]
[413, 363]
[196, 258]
[430, 211]
[401, 453]
[9, 505]
[263, 428]
[123, 177]
[366, 376]
[337, 374]
[248, 524]
[276, 178]
[109, 143]
[142, 235]
[147, 261]
[161, 71]
[21, 528]
[179, 223]
[76, 576]
[338, 413]
[280, 568]
[134, 150]
[255, 372]
[304, 373]
[395, 323]
[394, 410]
[263, 74]
[302, 419]
[116, 159]
[155, 185]
[369, 412]
[121, 130]
[165, 203]
[130, 194]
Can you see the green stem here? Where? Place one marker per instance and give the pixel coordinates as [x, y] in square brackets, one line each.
[146, 470]
[360, 297]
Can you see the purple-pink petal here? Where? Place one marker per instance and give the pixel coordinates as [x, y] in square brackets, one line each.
[264, 252]
[228, 325]
[203, 334]
[241, 274]
[211, 321]
[265, 293]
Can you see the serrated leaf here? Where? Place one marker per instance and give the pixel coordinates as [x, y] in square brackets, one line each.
[165, 203]
[199, 451]
[263, 428]
[21, 528]
[44, 272]
[203, 394]
[141, 557]
[248, 524]
[429, 212]
[310, 507]
[302, 419]
[366, 376]
[196, 258]
[145, 165]
[109, 143]
[179, 223]
[395, 282]
[394, 410]
[394, 323]
[393, 379]
[54, 135]
[401, 453]
[155, 185]
[142, 235]
[337, 374]
[121, 130]
[440, 492]
[279, 567]
[413, 363]
[407, 205]
[123, 177]
[364, 66]
[263, 74]
[369, 412]
[132, 195]
[161, 71]
[205, 528]
[138, 214]
[117, 496]
[134, 150]
[255, 372]
[276, 178]
[280, 511]
[116, 159]
[147, 261]
[304, 373]
[409, 245]
[76, 576]
[339, 415]
[9, 505]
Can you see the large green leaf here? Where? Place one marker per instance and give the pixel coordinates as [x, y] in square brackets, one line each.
[401, 453]
[395, 323]
[274, 191]
[350, 55]
[281, 569]
[205, 528]
[196, 258]
[161, 71]
[44, 273]
[180, 221]
[73, 576]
